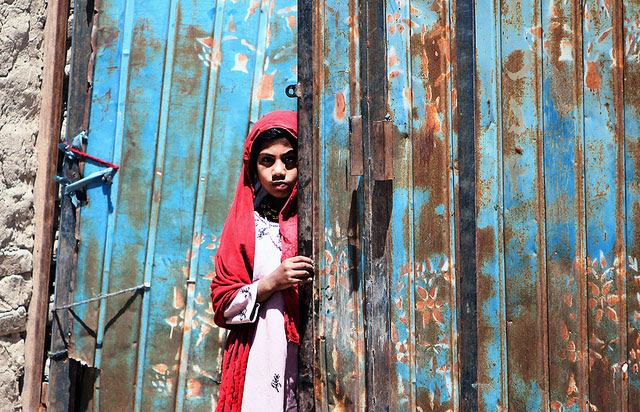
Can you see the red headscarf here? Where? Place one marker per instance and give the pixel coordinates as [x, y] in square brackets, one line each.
[234, 265]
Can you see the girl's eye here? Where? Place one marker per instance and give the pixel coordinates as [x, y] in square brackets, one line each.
[291, 162]
[266, 161]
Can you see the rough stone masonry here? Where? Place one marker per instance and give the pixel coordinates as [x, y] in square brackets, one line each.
[21, 43]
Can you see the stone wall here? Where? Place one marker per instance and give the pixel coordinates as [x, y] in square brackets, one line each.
[21, 43]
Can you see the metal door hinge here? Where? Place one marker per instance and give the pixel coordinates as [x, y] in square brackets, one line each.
[356, 154]
[382, 133]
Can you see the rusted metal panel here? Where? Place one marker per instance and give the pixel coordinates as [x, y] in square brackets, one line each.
[632, 148]
[524, 224]
[340, 327]
[562, 94]
[93, 225]
[402, 291]
[435, 301]
[492, 371]
[604, 174]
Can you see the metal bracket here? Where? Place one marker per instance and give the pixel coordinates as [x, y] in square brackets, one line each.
[106, 175]
[293, 90]
[382, 149]
[356, 153]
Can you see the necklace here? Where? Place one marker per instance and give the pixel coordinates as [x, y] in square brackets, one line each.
[266, 210]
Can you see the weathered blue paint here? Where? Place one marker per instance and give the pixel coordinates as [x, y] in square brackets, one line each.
[492, 363]
[340, 328]
[632, 192]
[399, 74]
[523, 206]
[565, 229]
[166, 109]
[156, 191]
[604, 174]
[177, 85]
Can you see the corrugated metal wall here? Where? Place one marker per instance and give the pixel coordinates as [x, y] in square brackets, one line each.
[474, 184]
[542, 157]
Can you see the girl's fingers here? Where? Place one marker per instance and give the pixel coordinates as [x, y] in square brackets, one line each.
[301, 274]
[301, 259]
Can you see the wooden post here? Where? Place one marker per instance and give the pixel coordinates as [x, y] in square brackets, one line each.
[306, 220]
[55, 37]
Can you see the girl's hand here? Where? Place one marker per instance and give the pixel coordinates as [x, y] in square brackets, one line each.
[290, 272]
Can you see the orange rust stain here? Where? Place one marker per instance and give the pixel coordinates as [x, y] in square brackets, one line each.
[397, 16]
[291, 22]
[393, 59]
[413, 10]
[252, 9]
[443, 45]
[232, 25]
[160, 368]
[389, 19]
[605, 34]
[287, 9]
[392, 29]
[395, 74]
[410, 23]
[339, 110]
[433, 120]
[537, 31]
[240, 65]
[408, 94]
[454, 98]
[208, 41]
[265, 87]
[199, 299]
[400, 28]
[425, 63]
[178, 301]
[593, 79]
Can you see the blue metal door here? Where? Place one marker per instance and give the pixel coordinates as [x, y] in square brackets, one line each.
[176, 86]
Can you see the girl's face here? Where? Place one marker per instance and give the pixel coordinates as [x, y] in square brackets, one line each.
[277, 168]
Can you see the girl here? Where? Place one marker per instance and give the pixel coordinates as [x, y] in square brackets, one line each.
[255, 291]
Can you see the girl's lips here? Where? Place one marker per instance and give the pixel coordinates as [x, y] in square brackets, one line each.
[280, 185]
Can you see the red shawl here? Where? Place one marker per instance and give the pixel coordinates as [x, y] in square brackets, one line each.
[234, 266]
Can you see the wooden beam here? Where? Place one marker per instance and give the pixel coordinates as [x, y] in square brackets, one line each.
[55, 37]
[306, 226]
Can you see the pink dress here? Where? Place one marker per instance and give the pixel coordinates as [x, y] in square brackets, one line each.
[272, 367]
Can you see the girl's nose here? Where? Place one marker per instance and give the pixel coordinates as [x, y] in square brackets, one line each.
[279, 168]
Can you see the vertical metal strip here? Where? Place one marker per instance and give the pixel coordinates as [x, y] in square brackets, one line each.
[632, 200]
[306, 202]
[451, 212]
[377, 208]
[156, 197]
[117, 152]
[411, 287]
[466, 86]
[620, 248]
[207, 136]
